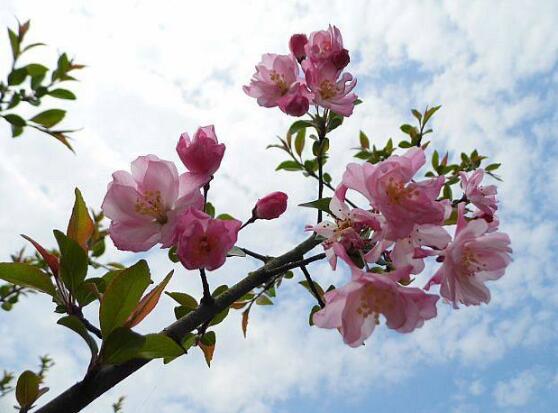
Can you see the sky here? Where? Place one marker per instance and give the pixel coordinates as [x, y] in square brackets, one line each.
[156, 69]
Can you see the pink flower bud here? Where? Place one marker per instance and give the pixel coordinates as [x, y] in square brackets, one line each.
[203, 154]
[341, 59]
[297, 44]
[297, 101]
[271, 206]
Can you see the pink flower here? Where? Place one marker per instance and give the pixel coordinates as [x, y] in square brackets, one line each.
[202, 155]
[274, 76]
[388, 187]
[329, 92]
[474, 257]
[203, 242]
[409, 251]
[355, 309]
[143, 205]
[297, 44]
[324, 44]
[271, 206]
[297, 101]
[343, 237]
[483, 197]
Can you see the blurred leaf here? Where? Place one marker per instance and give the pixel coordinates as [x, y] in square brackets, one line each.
[306, 285]
[225, 217]
[314, 310]
[51, 259]
[17, 76]
[26, 275]
[74, 324]
[32, 45]
[35, 69]
[245, 315]
[299, 141]
[236, 252]
[49, 118]
[14, 43]
[62, 94]
[27, 388]
[364, 141]
[122, 296]
[207, 345]
[81, 226]
[121, 345]
[15, 120]
[210, 209]
[263, 300]
[428, 114]
[335, 120]
[416, 114]
[299, 124]
[147, 303]
[183, 299]
[289, 166]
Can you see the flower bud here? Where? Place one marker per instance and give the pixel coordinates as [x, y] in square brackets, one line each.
[341, 59]
[203, 154]
[271, 206]
[296, 45]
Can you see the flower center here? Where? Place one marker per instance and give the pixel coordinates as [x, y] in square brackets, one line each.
[396, 192]
[471, 262]
[374, 301]
[279, 81]
[328, 89]
[151, 205]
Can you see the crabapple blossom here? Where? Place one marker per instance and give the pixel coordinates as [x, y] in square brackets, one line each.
[355, 308]
[203, 242]
[322, 45]
[475, 256]
[271, 206]
[201, 155]
[483, 197]
[297, 45]
[143, 206]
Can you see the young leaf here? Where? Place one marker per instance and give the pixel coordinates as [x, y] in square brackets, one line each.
[147, 303]
[245, 315]
[207, 345]
[14, 43]
[49, 118]
[289, 166]
[299, 124]
[121, 345]
[51, 260]
[74, 324]
[27, 276]
[122, 296]
[263, 300]
[183, 299]
[15, 120]
[428, 114]
[73, 261]
[364, 141]
[299, 141]
[81, 226]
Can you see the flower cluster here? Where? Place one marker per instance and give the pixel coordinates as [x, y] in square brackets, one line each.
[404, 225]
[311, 75]
[155, 205]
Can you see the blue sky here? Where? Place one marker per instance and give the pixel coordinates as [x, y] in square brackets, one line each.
[157, 70]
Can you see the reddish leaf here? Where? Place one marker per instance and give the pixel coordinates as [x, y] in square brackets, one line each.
[245, 315]
[147, 303]
[81, 226]
[51, 259]
[207, 345]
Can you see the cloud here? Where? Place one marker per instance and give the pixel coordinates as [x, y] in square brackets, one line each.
[517, 391]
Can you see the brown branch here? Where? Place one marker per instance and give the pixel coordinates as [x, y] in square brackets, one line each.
[99, 380]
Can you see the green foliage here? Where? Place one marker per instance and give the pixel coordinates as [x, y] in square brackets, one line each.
[121, 345]
[76, 325]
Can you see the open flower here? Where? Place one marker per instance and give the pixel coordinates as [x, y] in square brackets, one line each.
[475, 256]
[274, 76]
[203, 242]
[355, 308]
[483, 197]
[389, 187]
[143, 205]
[323, 45]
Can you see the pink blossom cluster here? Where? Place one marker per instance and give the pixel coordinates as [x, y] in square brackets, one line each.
[402, 227]
[154, 204]
[312, 74]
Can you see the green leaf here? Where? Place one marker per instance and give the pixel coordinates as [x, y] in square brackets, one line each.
[181, 311]
[263, 300]
[306, 285]
[27, 388]
[148, 303]
[357, 102]
[122, 296]
[17, 76]
[289, 166]
[62, 94]
[14, 43]
[16, 131]
[405, 144]
[406, 128]
[73, 261]
[159, 346]
[74, 324]
[210, 209]
[32, 45]
[225, 217]
[364, 141]
[335, 120]
[15, 120]
[14, 101]
[435, 160]
[299, 141]
[321, 204]
[236, 252]
[327, 178]
[416, 114]
[172, 254]
[35, 69]
[81, 226]
[219, 290]
[428, 114]
[49, 118]
[27, 276]
[183, 299]
[121, 345]
[314, 310]
[492, 167]
[299, 124]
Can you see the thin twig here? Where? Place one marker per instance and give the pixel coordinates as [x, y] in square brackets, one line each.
[312, 286]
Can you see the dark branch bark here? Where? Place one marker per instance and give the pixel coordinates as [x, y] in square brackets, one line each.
[99, 380]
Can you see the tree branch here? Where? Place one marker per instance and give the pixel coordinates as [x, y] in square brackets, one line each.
[98, 381]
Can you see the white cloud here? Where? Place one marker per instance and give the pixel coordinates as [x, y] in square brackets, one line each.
[517, 391]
